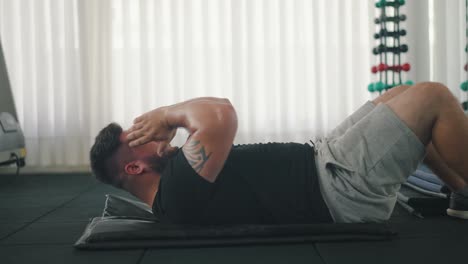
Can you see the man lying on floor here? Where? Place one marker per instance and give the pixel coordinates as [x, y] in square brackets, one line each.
[352, 175]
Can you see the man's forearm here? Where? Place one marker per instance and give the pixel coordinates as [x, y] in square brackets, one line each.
[201, 114]
[212, 125]
[208, 115]
[205, 99]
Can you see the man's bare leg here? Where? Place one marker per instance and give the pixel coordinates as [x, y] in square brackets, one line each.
[434, 114]
[433, 159]
[440, 168]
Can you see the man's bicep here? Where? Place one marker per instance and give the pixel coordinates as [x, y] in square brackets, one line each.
[206, 154]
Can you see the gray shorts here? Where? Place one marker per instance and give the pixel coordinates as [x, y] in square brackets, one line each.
[363, 162]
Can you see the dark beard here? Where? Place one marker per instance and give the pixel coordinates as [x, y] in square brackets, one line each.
[158, 164]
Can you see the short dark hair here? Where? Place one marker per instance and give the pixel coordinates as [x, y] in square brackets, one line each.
[106, 144]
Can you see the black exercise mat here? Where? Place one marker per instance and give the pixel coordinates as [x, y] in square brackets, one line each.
[123, 232]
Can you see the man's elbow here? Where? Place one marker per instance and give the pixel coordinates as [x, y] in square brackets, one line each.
[227, 115]
[222, 121]
[226, 101]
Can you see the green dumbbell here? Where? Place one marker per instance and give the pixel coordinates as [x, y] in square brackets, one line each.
[464, 86]
[383, 3]
[370, 87]
[379, 86]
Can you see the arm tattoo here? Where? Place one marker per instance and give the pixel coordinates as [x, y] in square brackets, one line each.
[195, 154]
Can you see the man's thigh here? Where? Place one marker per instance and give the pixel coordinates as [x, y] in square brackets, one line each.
[380, 148]
[361, 170]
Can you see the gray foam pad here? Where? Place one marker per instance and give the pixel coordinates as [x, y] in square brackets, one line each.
[127, 223]
[123, 232]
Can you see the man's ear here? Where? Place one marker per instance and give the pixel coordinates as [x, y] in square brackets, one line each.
[135, 167]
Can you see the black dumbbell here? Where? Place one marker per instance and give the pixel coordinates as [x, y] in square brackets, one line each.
[390, 19]
[385, 33]
[382, 48]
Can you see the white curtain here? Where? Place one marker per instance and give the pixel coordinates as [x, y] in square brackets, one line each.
[448, 39]
[437, 40]
[292, 68]
[43, 57]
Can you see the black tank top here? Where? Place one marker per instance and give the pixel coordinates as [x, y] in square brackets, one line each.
[273, 183]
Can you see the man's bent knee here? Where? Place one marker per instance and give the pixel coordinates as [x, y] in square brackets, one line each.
[420, 106]
[390, 94]
[434, 93]
[432, 87]
[430, 84]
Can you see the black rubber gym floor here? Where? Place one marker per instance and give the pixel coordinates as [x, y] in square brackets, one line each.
[41, 216]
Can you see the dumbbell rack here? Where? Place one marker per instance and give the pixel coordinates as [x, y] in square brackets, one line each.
[388, 68]
[464, 85]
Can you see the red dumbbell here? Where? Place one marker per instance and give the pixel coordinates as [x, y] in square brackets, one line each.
[395, 68]
[406, 67]
[382, 67]
[398, 68]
